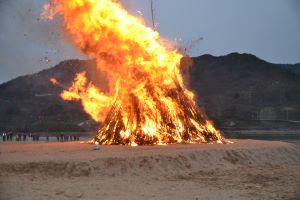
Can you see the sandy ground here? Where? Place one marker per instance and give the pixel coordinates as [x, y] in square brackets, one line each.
[247, 169]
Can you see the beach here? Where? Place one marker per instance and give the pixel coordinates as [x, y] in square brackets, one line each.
[247, 169]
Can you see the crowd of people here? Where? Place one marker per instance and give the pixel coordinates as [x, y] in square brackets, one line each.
[66, 138]
[9, 137]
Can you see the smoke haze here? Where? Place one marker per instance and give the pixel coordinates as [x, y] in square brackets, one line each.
[26, 40]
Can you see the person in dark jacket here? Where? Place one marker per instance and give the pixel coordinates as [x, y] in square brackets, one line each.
[10, 136]
[3, 136]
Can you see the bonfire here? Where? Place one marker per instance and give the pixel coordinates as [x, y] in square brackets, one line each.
[147, 102]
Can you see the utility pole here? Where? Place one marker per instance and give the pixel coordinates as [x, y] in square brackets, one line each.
[153, 15]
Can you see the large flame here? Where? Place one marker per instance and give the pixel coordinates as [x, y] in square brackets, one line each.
[147, 102]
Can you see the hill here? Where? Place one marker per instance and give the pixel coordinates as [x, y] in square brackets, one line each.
[238, 91]
[243, 91]
[294, 68]
[32, 103]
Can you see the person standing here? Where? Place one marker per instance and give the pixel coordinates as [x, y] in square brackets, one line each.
[10, 136]
[24, 137]
[3, 137]
[7, 136]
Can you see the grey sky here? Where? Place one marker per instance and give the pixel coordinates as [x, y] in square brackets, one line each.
[269, 29]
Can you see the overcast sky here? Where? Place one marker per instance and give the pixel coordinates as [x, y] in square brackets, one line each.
[270, 29]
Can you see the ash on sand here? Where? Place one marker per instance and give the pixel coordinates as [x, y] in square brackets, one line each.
[247, 169]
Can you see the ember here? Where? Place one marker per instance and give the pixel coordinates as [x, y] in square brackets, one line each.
[147, 102]
[54, 81]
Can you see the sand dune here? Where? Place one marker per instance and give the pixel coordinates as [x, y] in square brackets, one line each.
[247, 169]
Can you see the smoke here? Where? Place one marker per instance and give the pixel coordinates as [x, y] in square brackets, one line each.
[25, 39]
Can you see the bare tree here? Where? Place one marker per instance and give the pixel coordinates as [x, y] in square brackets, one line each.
[185, 47]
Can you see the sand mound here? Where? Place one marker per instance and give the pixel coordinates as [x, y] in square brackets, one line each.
[169, 160]
[206, 166]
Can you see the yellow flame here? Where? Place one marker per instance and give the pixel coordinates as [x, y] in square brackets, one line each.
[146, 88]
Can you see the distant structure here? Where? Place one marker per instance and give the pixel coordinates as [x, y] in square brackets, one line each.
[292, 114]
[267, 113]
[288, 114]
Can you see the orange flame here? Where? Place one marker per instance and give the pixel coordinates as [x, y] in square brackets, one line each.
[147, 101]
[54, 81]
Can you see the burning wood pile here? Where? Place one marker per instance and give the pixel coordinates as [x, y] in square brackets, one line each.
[147, 102]
[163, 127]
